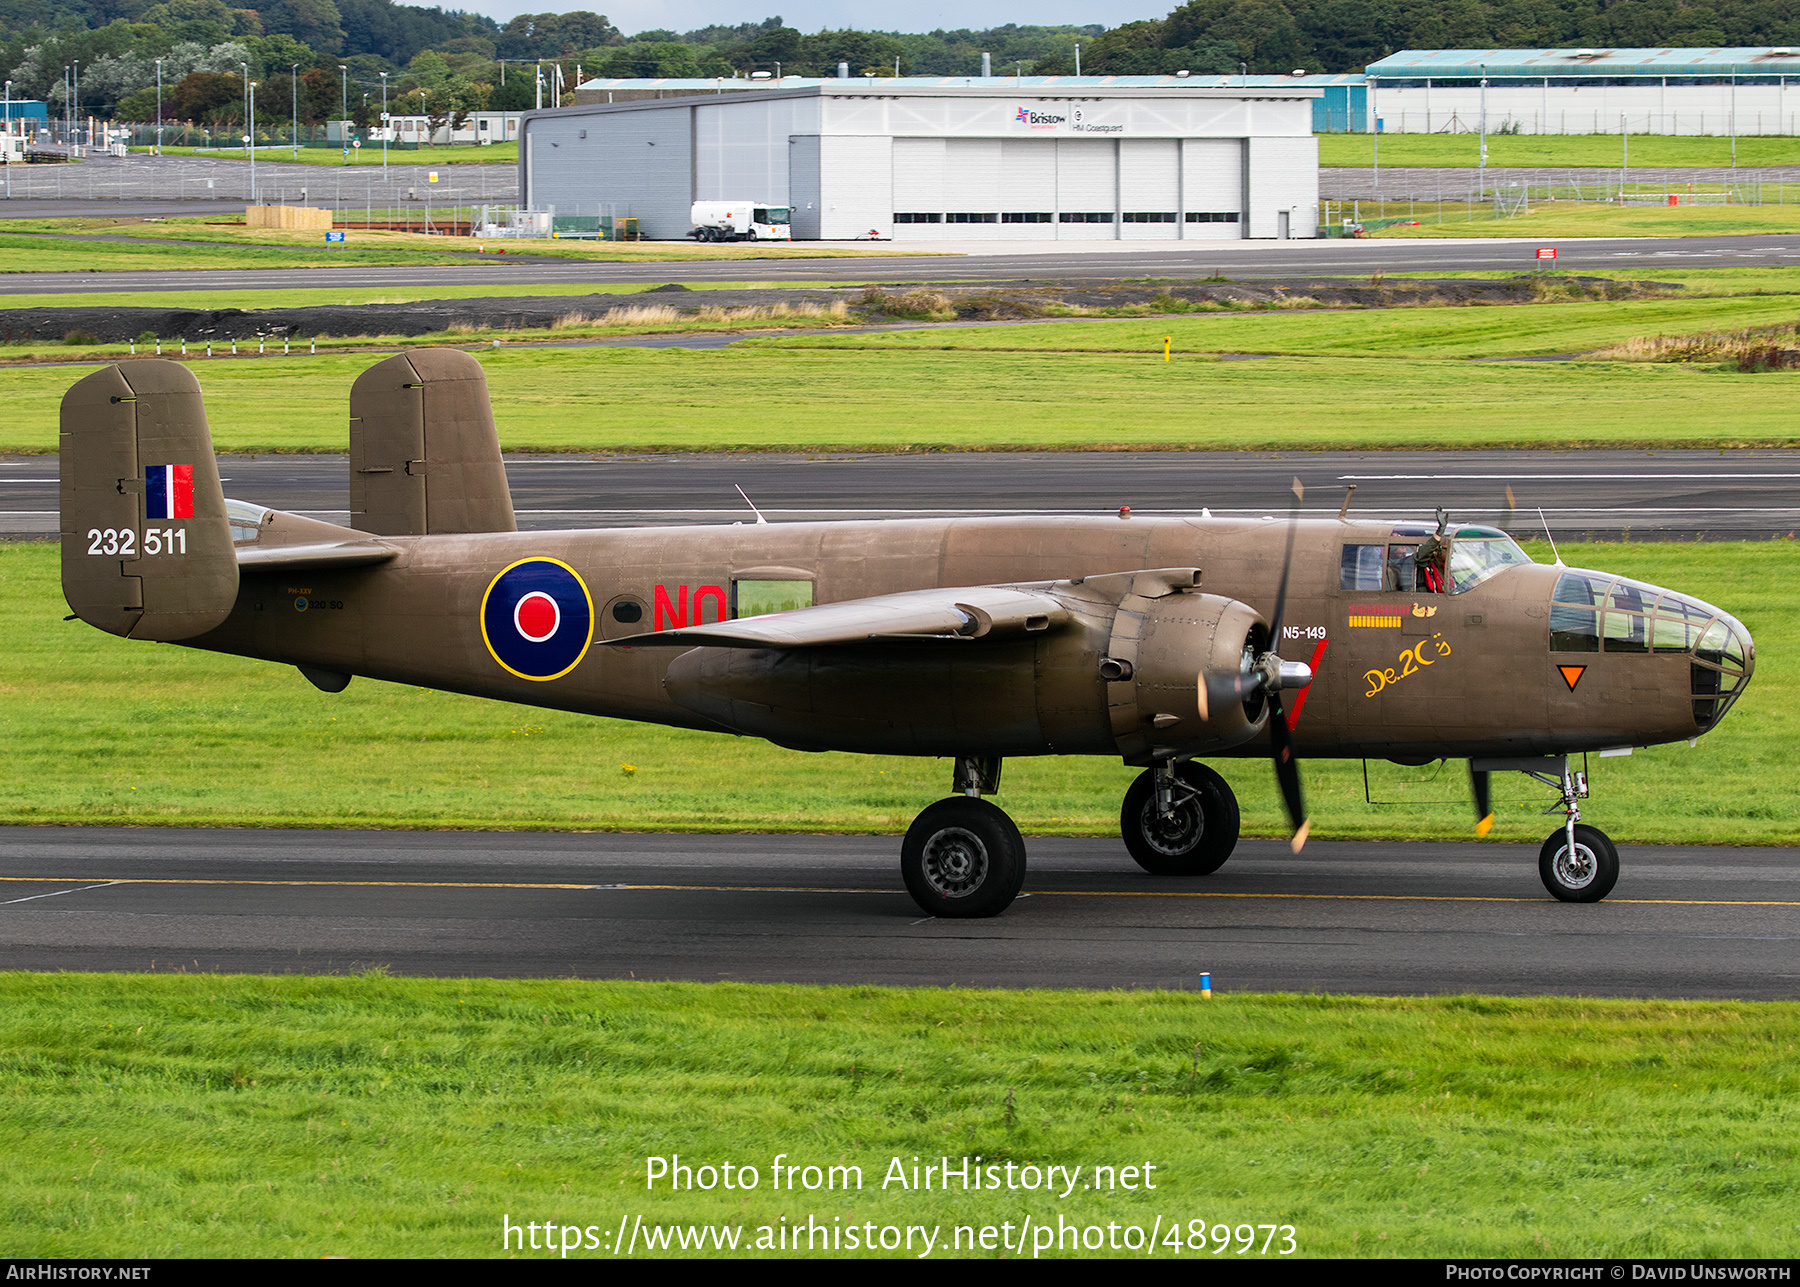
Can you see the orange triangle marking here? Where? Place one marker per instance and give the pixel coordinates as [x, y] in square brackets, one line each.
[1572, 675]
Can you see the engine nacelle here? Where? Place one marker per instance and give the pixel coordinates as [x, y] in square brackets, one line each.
[1121, 675]
[1166, 638]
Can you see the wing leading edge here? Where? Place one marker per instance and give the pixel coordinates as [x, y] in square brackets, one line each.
[953, 615]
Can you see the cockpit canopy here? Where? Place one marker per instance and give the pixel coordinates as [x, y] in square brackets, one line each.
[1476, 553]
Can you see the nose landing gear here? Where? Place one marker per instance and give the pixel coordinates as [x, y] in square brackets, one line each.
[1578, 863]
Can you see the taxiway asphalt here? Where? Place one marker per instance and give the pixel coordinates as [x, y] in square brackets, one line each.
[978, 261]
[1383, 918]
[1584, 495]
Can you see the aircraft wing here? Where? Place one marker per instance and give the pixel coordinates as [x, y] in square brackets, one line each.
[959, 614]
[320, 554]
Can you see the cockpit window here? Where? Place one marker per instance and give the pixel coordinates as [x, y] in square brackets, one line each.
[1477, 553]
[246, 520]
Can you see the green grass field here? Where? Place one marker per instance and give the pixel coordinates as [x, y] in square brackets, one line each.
[211, 1116]
[1493, 332]
[1548, 222]
[1695, 283]
[297, 297]
[21, 253]
[82, 245]
[1600, 151]
[909, 393]
[99, 729]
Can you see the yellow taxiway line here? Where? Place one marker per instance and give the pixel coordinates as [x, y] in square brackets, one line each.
[820, 889]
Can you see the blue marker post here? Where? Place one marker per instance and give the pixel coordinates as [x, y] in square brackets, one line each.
[1206, 986]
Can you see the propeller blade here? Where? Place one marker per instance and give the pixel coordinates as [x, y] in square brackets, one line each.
[1287, 562]
[1287, 771]
[1484, 813]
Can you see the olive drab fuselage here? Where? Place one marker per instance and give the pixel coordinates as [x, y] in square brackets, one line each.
[1401, 674]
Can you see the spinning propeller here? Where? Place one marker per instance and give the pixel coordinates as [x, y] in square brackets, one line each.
[1267, 673]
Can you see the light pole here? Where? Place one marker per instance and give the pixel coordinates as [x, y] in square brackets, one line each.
[294, 84]
[159, 63]
[1483, 165]
[345, 71]
[250, 140]
[9, 140]
[540, 85]
[244, 95]
[75, 111]
[385, 127]
[1734, 120]
[1375, 133]
[1624, 157]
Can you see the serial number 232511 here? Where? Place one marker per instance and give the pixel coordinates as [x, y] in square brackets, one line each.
[122, 541]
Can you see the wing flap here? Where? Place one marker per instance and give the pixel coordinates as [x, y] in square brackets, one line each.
[954, 615]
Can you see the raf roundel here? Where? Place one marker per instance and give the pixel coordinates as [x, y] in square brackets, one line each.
[537, 619]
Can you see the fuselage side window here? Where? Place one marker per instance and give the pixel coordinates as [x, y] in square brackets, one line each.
[1361, 568]
[759, 598]
[1573, 629]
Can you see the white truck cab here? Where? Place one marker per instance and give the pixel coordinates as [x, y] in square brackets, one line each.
[740, 221]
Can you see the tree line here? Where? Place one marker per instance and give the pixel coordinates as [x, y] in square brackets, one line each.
[333, 56]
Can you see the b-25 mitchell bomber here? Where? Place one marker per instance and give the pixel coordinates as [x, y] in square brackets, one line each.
[1164, 641]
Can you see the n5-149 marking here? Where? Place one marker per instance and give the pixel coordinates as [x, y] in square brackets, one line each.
[122, 541]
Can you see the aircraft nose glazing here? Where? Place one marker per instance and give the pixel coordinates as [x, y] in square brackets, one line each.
[1596, 612]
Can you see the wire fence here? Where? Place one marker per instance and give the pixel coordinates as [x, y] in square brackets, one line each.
[367, 186]
[1762, 185]
[1478, 198]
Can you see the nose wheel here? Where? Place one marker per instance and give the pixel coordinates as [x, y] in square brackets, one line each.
[963, 858]
[1578, 864]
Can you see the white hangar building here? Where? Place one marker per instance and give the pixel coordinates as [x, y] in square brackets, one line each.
[1148, 158]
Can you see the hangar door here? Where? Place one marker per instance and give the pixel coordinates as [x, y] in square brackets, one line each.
[1212, 189]
[1067, 189]
[960, 189]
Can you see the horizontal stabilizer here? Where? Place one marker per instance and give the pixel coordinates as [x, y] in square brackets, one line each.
[958, 614]
[293, 558]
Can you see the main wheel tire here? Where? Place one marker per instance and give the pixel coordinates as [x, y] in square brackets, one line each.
[1587, 875]
[1192, 840]
[963, 857]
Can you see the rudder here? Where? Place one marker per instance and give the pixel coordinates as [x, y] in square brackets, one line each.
[146, 546]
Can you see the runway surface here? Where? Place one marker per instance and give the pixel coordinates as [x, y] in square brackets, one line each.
[1342, 917]
[1584, 495]
[981, 261]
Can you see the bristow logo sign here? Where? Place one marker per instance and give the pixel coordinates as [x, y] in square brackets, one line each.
[1038, 120]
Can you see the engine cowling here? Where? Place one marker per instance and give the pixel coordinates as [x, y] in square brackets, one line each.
[1166, 639]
